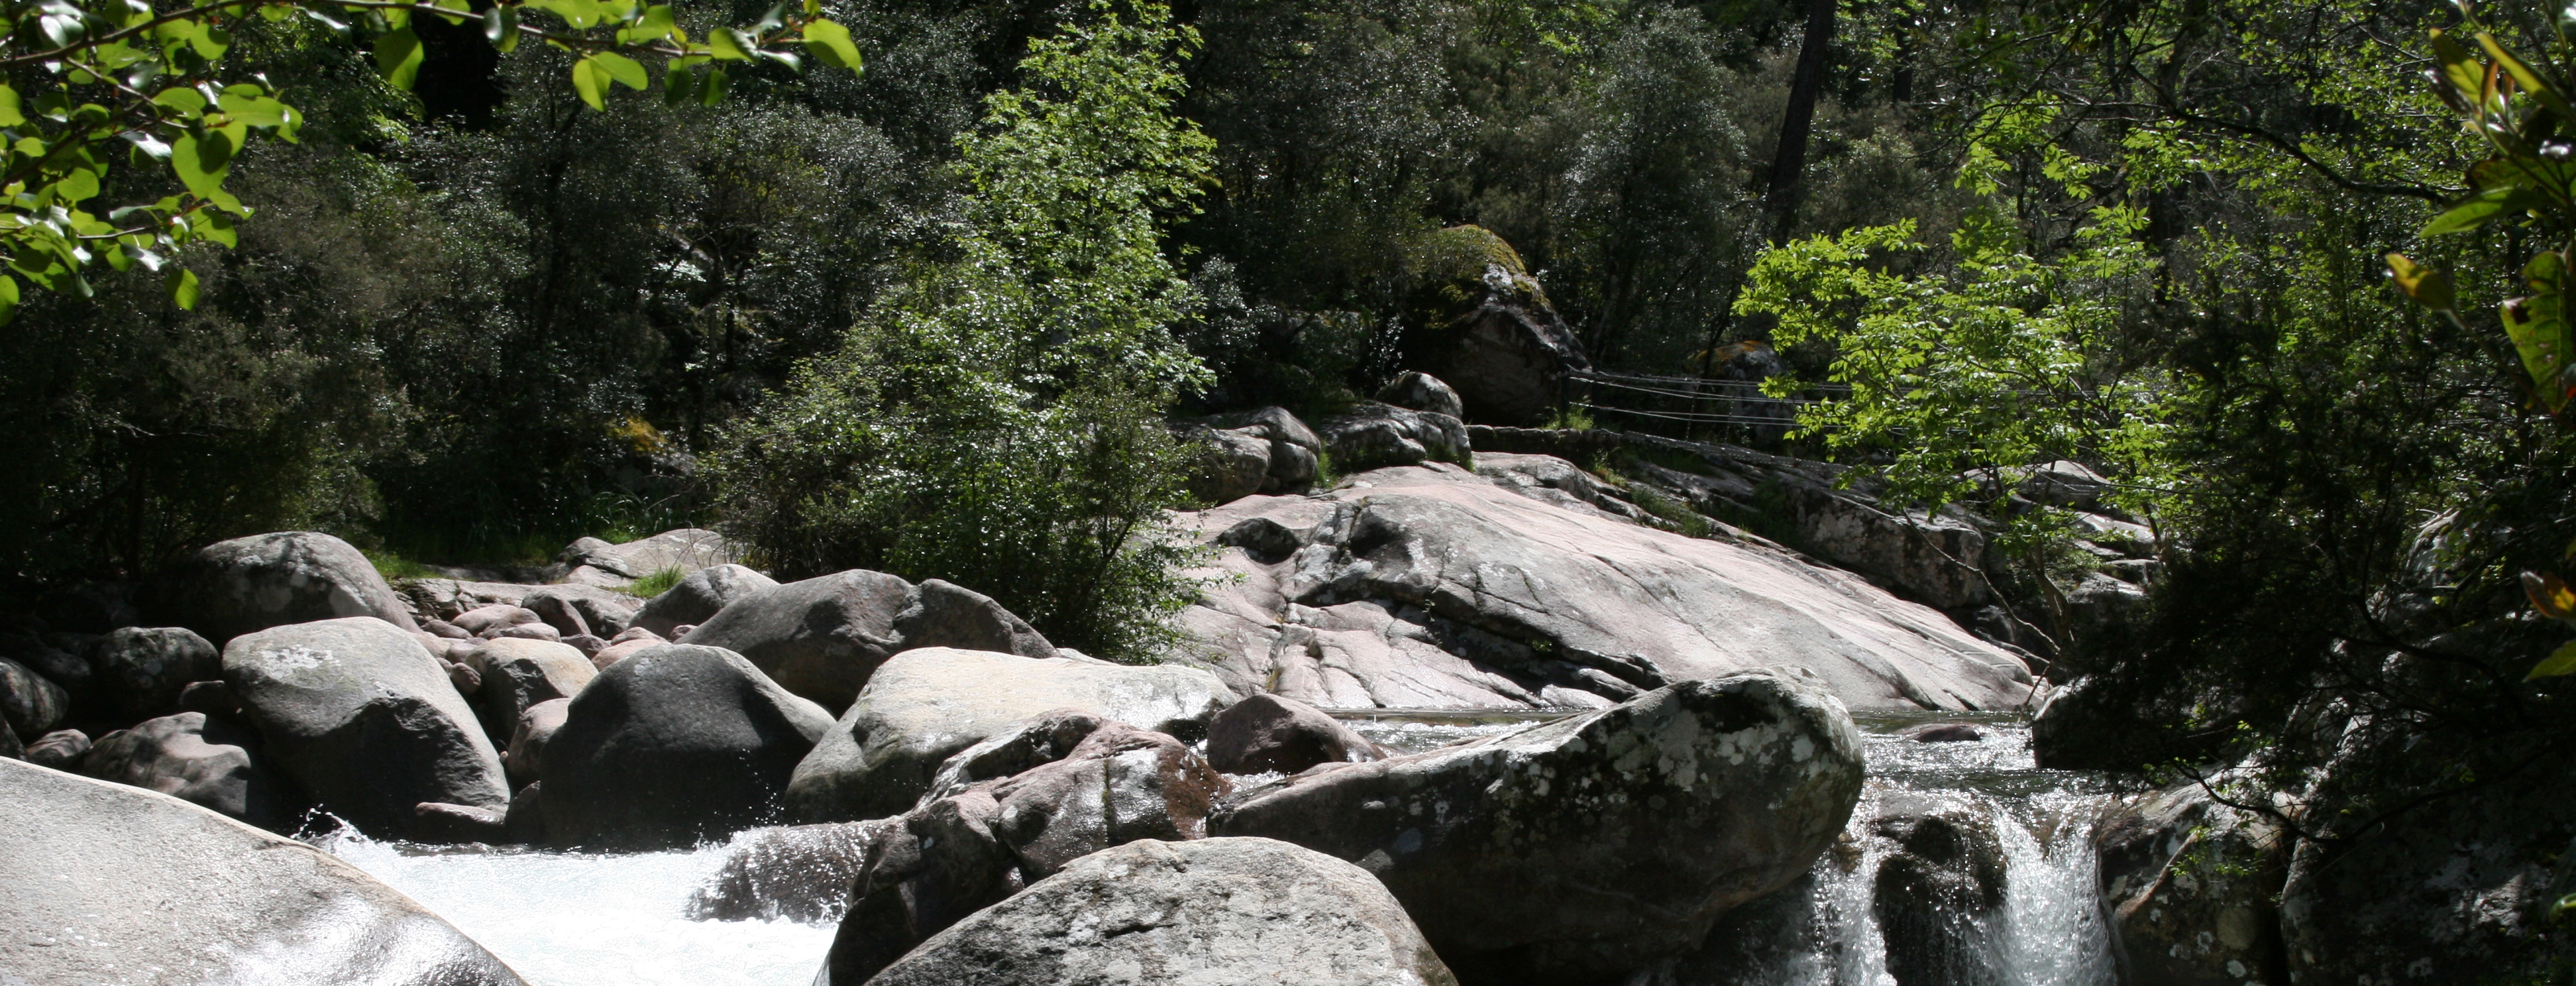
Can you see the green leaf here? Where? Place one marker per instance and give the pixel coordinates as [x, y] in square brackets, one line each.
[590, 82]
[2429, 287]
[2461, 70]
[2531, 82]
[2538, 326]
[731, 44]
[8, 298]
[501, 27]
[9, 113]
[681, 80]
[622, 69]
[657, 24]
[2482, 208]
[219, 227]
[186, 103]
[182, 283]
[831, 43]
[2559, 662]
[717, 83]
[398, 56]
[200, 164]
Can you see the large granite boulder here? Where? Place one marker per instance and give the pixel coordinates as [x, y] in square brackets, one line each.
[516, 675]
[1370, 435]
[212, 763]
[140, 670]
[1230, 463]
[1265, 733]
[823, 637]
[1938, 890]
[797, 873]
[1419, 391]
[234, 587]
[698, 596]
[967, 851]
[1434, 587]
[61, 749]
[31, 705]
[582, 610]
[673, 746]
[924, 706]
[592, 561]
[364, 720]
[524, 758]
[2193, 889]
[1482, 323]
[115, 884]
[1209, 911]
[1575, 851]
[1294, 449]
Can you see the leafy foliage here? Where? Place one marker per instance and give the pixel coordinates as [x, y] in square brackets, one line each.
[995, 421]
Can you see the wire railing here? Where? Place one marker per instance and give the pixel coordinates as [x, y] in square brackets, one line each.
[1685, 401]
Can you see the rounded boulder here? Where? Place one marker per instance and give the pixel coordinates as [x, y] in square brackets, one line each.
[673, 746]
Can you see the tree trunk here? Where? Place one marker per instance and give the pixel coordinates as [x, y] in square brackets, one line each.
[1789, 162]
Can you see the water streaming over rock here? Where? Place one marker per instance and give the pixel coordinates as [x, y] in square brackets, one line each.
[578, 919]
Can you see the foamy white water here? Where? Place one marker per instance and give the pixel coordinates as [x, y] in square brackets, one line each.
[577, 919]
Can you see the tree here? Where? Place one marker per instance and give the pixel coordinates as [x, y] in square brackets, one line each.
[87, 85]
[996, 421]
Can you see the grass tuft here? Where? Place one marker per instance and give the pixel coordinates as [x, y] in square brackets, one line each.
[655, 584]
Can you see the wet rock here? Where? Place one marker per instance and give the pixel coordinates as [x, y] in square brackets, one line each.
[1577, 850]
[1433, 587]
[248, 584]
[61, 749]
[453, 824]
[528, 740]
[924, 706]
[1208, 911]
[519, 674]
[823, 637]
[1936, 892]
[204, 761]
[576, 610]
[139, 671]
[699, 595]
[90, 861]
[675, 745]
[2191, 886]
[1371, 435]
[525, 823]
[1417, 391]
[30, 705]
[1945, 732]
[797, 873]
[1269, 734]
[364, 722]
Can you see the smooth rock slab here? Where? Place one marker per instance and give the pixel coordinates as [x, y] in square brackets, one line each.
[1214, 911]
[924, 706]
[114, 884]
[1574, 851]
[364, 720]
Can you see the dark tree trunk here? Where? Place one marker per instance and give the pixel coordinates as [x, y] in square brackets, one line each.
[1789, 162]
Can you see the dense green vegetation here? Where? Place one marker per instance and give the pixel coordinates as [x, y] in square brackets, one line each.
[930, 317]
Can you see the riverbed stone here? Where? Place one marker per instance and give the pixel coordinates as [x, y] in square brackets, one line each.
[356, 714]
[924, 706]
[1265, 733]
[61, 749]
[518, 674]
[675, 745]
[2192, 887]
[823, 637]
[797, 873]
[235, 587]
[30, 704]
[576, 610]
[1207, 911]
[205, 761]
[1369, 435]
[140, 670]
[1937, 890]
[184, 895]
[699, 595]
[528, 740]
[1574, 851]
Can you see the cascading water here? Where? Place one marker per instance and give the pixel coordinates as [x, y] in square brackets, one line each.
[578, 919]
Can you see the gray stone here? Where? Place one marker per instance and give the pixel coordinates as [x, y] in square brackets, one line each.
[68, 670]
[184, 895]
[967, 851]
[484, 620]
[1370, 435]
[1433, 587]
[1208, 911]
[1231, 463]
[687, 549]
[2063, 483]
[926, 705]
[823, 637]
[1268, 734]
[799, 873]
[363, 720]
[61, 749]
[673, 746]
[437, 823]
[2192, 887]
[1415, 390]
[213, 698]
[528, 740]
[30, 704]
[1037, 740]
[1937, 890]
[247, 584]
[446, 599]
[1502, 345]
[517, 675]
[575, 610]
[699, 595]
[1575, 851]
[140, 671]
[526, 631]
[212, 763]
